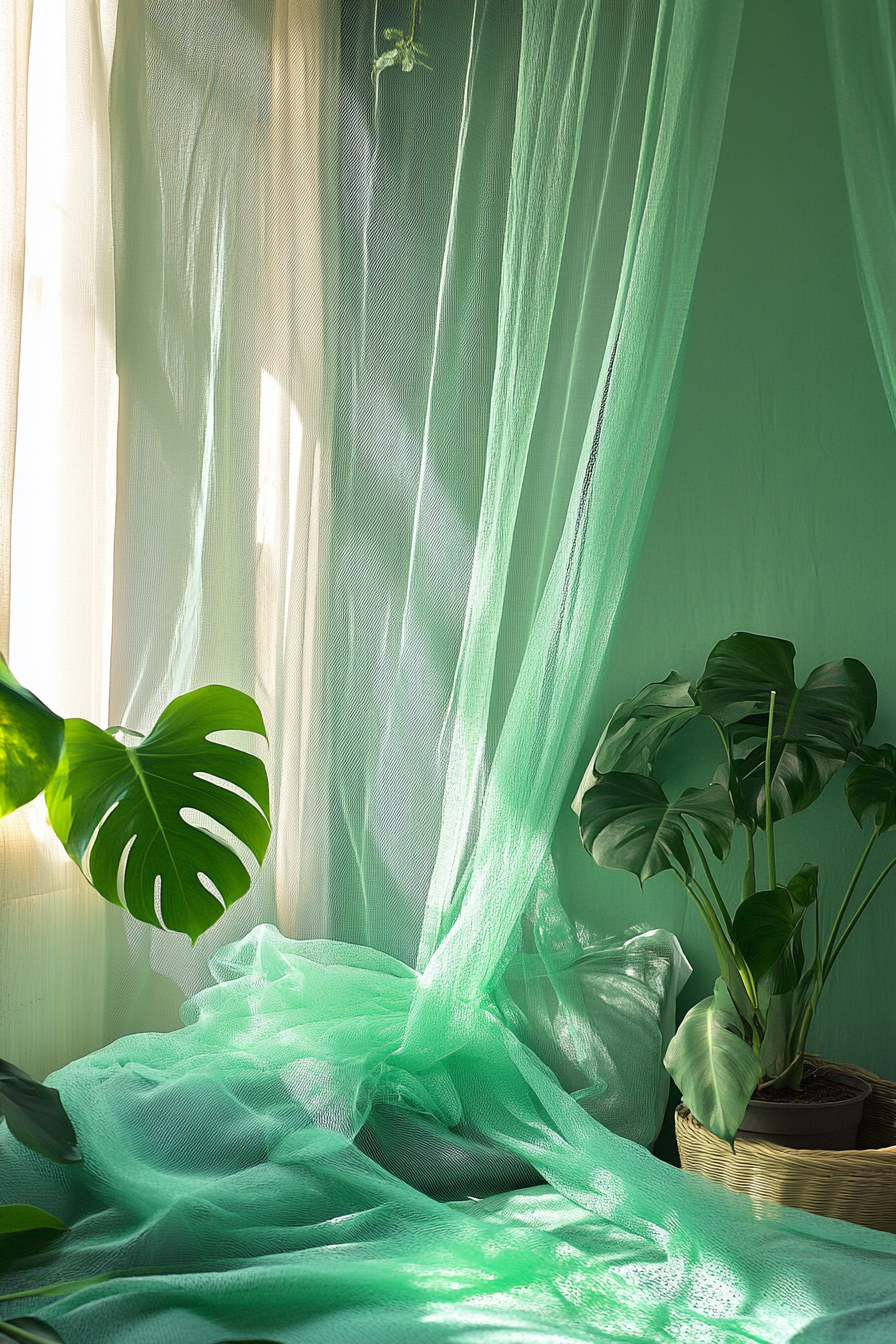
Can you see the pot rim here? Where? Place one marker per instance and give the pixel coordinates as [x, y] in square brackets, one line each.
[863, 1093]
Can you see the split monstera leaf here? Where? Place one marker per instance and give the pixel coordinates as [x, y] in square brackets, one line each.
[783, 743]
[118, 810]
[133, 818]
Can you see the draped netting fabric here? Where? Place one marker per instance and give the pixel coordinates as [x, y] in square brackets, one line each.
[862, 47]
[350, 1138]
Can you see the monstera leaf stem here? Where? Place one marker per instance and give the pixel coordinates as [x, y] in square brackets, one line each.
[725, 948]
[791, 1076]
[720, 904]
[831, 956]
[769, 825]
[749, 887]
[704, 905]
[850, 892]
[817, 905]
[724, 937]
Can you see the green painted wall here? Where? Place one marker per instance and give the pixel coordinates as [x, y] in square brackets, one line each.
[777, 509]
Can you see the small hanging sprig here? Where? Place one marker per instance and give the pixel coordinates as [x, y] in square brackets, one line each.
[406, 52]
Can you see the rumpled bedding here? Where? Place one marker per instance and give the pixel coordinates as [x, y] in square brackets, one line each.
[234, 1183]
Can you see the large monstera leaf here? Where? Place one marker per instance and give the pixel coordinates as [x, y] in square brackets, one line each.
[740, 674]
[639, 727]
[814, 729]
[118, 809]
[31, 738]
[627, 822]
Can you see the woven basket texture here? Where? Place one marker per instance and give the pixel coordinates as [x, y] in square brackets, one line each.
[858, 1186]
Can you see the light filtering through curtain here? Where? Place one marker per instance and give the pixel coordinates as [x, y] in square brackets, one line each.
[53, 934]
[231, 1160]
[167, 527]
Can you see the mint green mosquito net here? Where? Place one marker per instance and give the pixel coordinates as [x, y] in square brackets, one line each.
[357, 1136]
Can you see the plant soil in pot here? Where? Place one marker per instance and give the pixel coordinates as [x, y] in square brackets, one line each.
[825, 1112]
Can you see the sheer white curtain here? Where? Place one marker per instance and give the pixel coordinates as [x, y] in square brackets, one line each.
[108, 618]
[15, 31]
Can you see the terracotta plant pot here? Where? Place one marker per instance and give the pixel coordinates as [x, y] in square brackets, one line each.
[830, 1125]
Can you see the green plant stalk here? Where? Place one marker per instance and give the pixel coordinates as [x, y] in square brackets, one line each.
[792, 1076]
[793, 1073]
[746, 974]
[712, 884]
[769, 827]
[817, 926]
[749, 887]
[724, 947]
[16, 1332]
[829, 962]
[850, 891]
[704, 905]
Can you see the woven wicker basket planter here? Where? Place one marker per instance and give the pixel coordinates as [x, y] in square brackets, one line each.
[858, 1186]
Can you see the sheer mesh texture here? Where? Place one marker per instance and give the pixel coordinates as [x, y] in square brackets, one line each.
[395, 1133]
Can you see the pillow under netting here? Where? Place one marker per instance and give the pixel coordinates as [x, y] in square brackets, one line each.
[225, 1165]
[395, 391]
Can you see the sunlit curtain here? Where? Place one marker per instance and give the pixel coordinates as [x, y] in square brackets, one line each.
[862, 46]
[16, 31]
[512, 317]
[54, 936]
[385, 459]
[171, 450]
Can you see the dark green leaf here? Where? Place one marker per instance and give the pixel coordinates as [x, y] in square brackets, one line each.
[815, 726]
[713, 1065]
[106, 795]
[777, 1051]
[24, 1231]
[29, 1330]
[872, 786]
[784, 973]
[36, 1116]
[729, 778]
[799, 775]
[803, 886]
[640, 726]
[740, 674]
[25, 1217]
[763, 926]
[627, 822]
[31, 739]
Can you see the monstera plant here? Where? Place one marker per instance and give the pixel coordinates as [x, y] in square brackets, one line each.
[118, 809]
[781, 744]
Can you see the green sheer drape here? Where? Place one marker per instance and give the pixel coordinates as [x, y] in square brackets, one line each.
[862, 47]
[313, 1156]
[617, 471]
